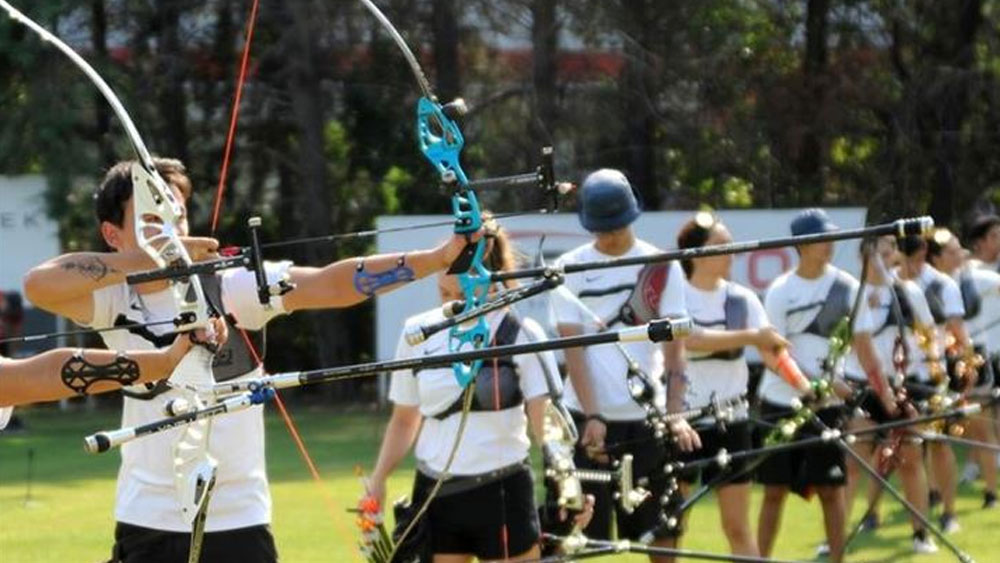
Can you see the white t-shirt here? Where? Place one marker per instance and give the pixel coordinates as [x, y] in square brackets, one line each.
[984, 328]
[879, 301]
[951, 295]
[145, 494]
[604, 292]
[5, 413]
[979, 264]
[707, 376]
[492, 439]
[792, 303]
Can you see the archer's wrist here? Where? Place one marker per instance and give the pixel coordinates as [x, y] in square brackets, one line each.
[596, 416]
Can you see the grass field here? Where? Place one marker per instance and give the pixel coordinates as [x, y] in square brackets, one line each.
[66, 515]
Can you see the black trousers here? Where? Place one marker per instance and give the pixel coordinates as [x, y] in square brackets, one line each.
[135, 544]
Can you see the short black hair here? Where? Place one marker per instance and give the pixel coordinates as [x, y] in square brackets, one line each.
[116, 187]
[980, 225]
[912, 244]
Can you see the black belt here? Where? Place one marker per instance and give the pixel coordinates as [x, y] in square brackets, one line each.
[463, 483]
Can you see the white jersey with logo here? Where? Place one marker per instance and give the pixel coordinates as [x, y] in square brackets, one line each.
[984, 326]
[492, 439]
[718, 378]
[145, 494]
[792, 303]
[604, 292]
[885, 330]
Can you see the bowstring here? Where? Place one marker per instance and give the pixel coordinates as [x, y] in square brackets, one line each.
[259, 356]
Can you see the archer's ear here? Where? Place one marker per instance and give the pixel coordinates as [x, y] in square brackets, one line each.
[112, 235]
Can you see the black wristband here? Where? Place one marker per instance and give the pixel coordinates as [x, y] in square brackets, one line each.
[597, 417]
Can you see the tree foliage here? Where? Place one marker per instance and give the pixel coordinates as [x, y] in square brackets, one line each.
[891, 104]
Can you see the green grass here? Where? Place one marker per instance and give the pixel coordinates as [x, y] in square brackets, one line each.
[68, 515]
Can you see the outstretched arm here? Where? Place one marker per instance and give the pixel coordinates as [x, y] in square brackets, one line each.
[353, 280]
[67, 372]
[65, 284]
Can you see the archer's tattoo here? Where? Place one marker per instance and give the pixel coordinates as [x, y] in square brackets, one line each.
[79, 374]
[92, 267]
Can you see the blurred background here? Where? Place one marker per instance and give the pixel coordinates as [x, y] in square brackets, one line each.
[889, 105]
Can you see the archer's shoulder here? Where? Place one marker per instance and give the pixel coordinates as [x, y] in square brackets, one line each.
[779, 283]
[579, 254]
[643, 248]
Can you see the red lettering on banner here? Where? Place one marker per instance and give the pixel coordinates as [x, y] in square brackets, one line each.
[753, 266]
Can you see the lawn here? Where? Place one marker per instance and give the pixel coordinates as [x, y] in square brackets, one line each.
[65, 514]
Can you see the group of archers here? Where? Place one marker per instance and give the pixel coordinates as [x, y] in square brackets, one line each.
[948, 299]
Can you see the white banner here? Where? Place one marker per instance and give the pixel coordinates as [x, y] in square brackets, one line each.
[27, 235]
[563, 232]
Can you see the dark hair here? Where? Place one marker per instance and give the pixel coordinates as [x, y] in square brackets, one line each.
[694, 234]
[912, 244]
[937, 241]
[979, 227]
[116, 187]
[500, 254]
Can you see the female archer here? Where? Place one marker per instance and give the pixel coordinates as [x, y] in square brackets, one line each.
[729, 318]
[485, 505]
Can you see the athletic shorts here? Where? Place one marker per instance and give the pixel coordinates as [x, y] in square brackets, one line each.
[135, 544]
[497, 520]
[735, 438]
[872, 405]
[984, 378]
[648, 457]
[808, 466]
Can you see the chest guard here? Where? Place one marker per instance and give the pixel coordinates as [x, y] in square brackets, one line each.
[643, 304]
[234, 359]
[836, 306]
[935, 301]
[970, 295]
[736, 310]
[497, 382]
[905, 308]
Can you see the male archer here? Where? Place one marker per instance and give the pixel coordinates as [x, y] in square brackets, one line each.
[90, 288]
[598, 396]
[805, 305]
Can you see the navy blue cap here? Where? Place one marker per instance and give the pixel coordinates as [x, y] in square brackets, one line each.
[607, 202]
[812, 222]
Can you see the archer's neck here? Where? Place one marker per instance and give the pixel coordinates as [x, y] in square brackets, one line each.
[704, 281]
[910, 268]
[615, 243]
[810, 270]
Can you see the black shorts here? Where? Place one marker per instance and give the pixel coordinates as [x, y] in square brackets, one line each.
[648, 457]
[872, 405]
[994, 361]
[808, 466]
[735, 438]
[918, 391]
[135, 544]
[497, 520]
[984, 375]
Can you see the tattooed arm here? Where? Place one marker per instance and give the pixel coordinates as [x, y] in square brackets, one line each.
[65, 284]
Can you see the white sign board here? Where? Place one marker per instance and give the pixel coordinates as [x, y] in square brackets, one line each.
[563, 232]
[27, 235]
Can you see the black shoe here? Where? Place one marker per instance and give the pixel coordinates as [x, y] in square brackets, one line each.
[989, 499]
